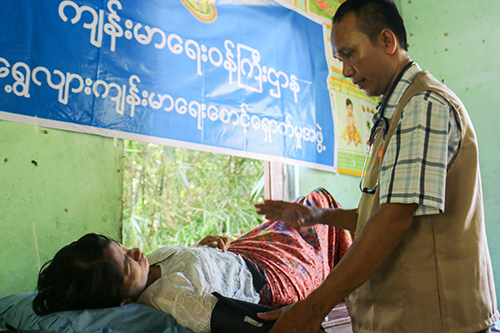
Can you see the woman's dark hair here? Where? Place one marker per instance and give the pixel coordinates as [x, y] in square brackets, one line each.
[373, 16]
[81, 276]
[348, 102]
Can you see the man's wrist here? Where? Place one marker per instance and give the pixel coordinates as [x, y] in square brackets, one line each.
[322, 302]
[317, 215]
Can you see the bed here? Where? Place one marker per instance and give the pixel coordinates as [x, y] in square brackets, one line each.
[16, 314]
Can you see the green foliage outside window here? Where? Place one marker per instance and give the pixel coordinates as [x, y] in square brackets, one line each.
[176, 196]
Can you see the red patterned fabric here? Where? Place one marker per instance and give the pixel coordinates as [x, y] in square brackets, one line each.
[295, 260]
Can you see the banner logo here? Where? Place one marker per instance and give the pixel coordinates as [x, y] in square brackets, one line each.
[203, 10]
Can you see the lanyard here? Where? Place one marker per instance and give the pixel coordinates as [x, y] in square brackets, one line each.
[383, 123]
[383, 103]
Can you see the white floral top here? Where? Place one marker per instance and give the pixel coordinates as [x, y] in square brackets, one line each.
[188, 277]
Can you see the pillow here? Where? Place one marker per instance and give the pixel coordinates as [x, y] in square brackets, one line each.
[16, 312]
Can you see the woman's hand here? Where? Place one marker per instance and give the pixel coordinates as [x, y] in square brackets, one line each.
[221, 242]
[289, 212]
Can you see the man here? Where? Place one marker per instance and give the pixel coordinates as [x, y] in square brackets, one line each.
[420, 261]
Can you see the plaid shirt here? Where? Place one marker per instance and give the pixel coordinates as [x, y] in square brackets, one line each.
[421, 150]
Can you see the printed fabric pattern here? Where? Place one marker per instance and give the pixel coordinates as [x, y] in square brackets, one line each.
[295, 260]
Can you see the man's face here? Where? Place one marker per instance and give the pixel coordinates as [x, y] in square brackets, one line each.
[365, 63]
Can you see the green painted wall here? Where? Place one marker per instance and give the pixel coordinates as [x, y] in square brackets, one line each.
[55, 186]
[344, 188]
[458, 42]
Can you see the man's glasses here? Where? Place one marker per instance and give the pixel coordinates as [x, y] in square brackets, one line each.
[380, 124]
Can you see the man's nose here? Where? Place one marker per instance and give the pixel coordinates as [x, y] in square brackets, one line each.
[347, 70]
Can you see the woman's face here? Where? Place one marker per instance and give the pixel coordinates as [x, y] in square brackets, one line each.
[135, 268]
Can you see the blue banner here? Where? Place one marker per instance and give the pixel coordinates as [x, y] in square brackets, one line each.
[236, 77]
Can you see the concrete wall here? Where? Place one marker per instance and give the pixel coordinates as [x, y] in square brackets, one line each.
[55, 186]
[344, 188]
[457, 41]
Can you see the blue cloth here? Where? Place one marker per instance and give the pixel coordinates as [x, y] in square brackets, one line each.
[16, 312]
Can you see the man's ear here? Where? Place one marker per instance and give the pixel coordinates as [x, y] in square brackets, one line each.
[125, 301]
[388, 40]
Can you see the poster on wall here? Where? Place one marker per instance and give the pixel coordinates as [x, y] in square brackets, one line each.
[354, 123]
[353, 117]
[353, 110]
[248, 78]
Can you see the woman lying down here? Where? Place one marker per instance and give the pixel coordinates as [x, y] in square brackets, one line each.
[273, 265]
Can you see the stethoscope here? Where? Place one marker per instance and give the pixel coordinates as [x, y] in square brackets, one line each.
[381, 122]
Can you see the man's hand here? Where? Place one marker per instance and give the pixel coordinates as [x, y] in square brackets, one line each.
[289, 212]
[221, 242]
[294, 318]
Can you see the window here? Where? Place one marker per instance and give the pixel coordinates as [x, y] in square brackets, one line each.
[176, 196]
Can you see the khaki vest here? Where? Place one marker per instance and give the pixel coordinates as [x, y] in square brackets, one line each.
[439, 278]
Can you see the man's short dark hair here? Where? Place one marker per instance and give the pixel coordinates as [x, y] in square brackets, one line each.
[373, 16]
